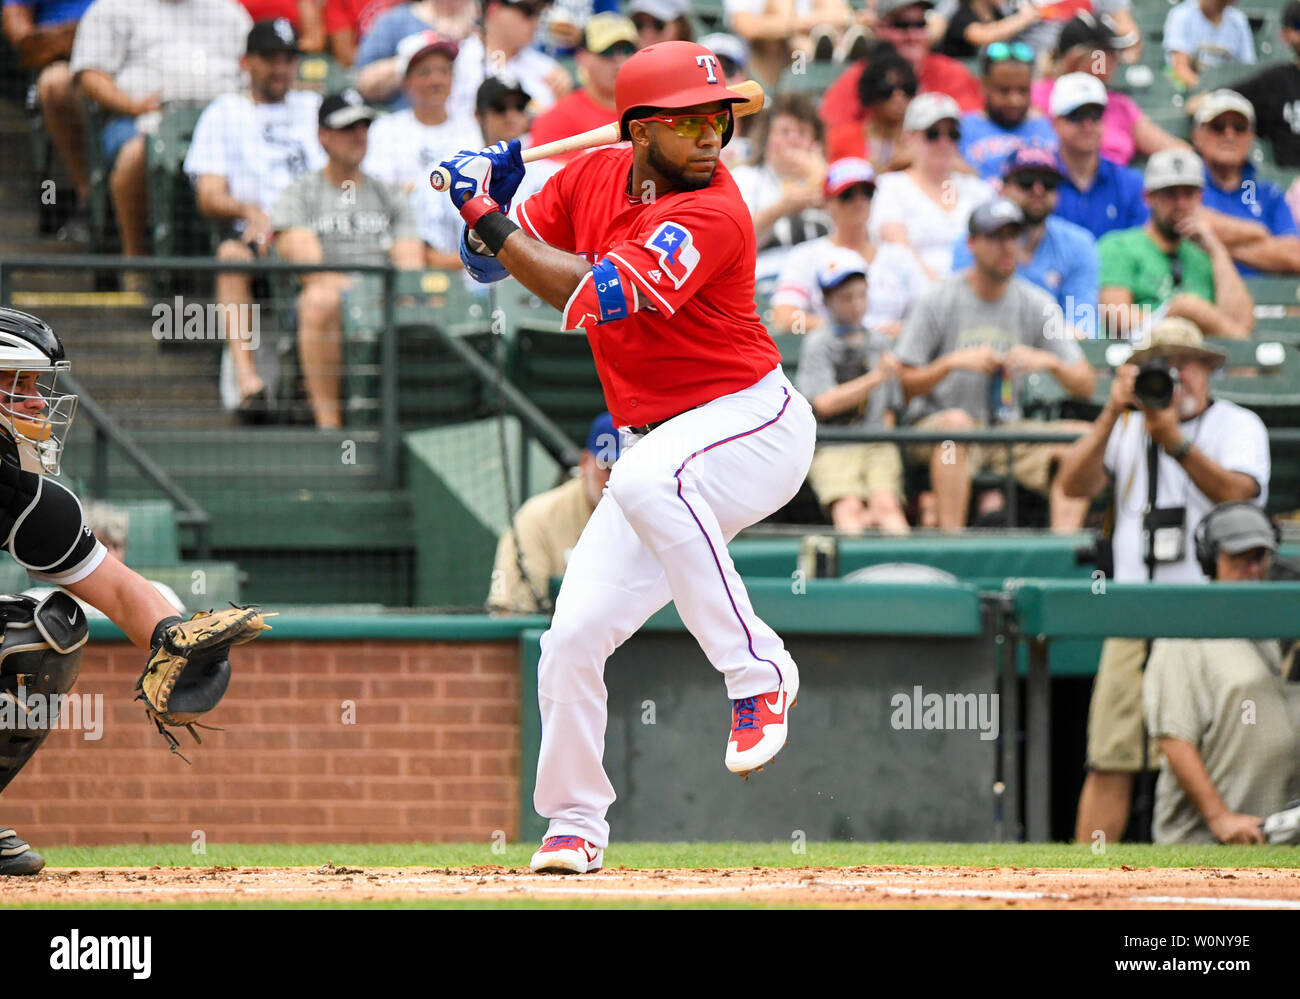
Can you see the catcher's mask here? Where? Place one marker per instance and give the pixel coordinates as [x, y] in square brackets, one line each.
[32, 409]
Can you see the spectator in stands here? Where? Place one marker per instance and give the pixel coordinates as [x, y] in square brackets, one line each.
[509, 27]
[339, 215]
[964, 347]
[851, 380]
[960, 28]
[733, 60]
[135, 57]
[111, 525]
[247, 148]
[777, 30]
[926, 206]
[405, 145]
[41, 32]
[661, 21]
[1200, 34]
[783, 190]
[607, 43]
[1248, 213]
[536, 547]
[305, 16]
[1095, 193]
[1174, 264]
[1275, 93]
[902, 25]
[894, 277]
[348, 20]
[1008, 121]
[885, 88]
[1220, 778]
[560, 28]
[1088, 45]
[1058, 256]
[1206, 451]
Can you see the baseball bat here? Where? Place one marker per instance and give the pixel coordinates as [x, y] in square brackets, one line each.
[440, 179]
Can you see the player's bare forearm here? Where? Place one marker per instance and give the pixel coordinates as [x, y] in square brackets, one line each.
[550, 274]
[126, 598]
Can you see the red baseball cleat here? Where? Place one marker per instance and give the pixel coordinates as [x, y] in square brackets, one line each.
[758, 730]
[567, 855]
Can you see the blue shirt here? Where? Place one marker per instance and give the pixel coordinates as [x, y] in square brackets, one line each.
[1189, 31]
[1113, 202]
[1064, 265]
[1254, 200]
[985, 144]
[46, 13]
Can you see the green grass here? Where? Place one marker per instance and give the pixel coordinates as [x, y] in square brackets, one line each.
[677, 855]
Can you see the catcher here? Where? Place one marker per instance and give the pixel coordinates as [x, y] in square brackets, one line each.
[43, 530]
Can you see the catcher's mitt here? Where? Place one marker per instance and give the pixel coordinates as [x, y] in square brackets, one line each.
[189, 669]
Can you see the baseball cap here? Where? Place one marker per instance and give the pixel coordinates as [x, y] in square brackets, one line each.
[660, 10]
[1084, 29]
[727, 46]
[838, 266]
[1173, 168]
[277, 35]
[844, 173]
[1239, 527]
[1029, 158]
[421, 43]
[494, 91]
[603, 440]
[928, 109]
[1174, 335]
[993, 215]
[1291, 15]
[343, 109]
[607, 30]
[1218, 102]
[1075, 90]
[886, 7]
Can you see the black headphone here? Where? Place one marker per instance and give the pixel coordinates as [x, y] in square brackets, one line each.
[1207, 549]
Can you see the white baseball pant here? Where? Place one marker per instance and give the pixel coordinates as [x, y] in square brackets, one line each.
[675, 498]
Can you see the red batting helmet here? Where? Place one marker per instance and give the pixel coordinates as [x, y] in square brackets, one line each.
[670, 75]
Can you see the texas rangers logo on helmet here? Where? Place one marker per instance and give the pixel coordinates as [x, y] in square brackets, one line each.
[675, 248]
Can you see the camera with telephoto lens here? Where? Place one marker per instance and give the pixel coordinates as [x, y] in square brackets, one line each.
[1155, 383]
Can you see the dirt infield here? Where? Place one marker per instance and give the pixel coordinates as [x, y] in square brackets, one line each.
[1049, 888]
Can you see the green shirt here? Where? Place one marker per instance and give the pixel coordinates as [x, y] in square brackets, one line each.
[1129, 259]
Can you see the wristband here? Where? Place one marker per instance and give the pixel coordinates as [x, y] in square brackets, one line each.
[1179, 451]
[475, 208]
[494, 229]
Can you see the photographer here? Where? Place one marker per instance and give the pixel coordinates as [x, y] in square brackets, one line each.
[1172, 453]
[1220, 777]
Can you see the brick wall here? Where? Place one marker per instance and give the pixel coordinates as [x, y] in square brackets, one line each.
[433, 754]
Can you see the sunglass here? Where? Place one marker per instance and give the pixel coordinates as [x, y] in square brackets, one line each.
[1089, 112]
[1238, 127]
[912, 25]
[1027, 181]
[644, 21]
[1014, 51]
[885, 90]
[502, 108]
[858, 192]
[1175, 268]
[690, 126]
[934, 133]
[530, 9]
[619, 49]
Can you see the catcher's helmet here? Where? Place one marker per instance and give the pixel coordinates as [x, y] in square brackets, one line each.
[28, 344]
[670, 75]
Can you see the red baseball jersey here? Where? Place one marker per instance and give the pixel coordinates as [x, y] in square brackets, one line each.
[669, 306]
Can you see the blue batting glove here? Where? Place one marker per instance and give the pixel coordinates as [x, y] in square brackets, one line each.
[471, 175]
[484, 270]
[507, 171]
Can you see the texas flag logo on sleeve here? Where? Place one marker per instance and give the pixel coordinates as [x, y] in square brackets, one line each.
[676, 251]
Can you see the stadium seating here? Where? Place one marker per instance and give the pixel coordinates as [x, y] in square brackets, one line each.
[174, 221]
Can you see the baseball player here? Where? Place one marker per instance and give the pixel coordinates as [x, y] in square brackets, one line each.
[649, 248]
[43, 530]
